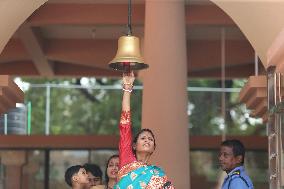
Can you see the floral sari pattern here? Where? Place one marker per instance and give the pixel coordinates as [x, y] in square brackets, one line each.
[134, 174]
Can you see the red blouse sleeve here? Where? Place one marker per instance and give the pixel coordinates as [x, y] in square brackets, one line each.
[126, 155]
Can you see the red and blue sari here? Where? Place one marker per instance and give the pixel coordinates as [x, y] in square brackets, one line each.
[132, 173]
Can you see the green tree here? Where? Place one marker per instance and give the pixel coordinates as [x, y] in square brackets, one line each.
[206, 115]
[80, 111]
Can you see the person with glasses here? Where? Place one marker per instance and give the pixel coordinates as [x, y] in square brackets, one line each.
[231, 159]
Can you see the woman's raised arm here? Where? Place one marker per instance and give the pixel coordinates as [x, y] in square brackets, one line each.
[125, 143]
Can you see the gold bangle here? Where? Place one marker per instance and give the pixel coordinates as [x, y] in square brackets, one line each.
[127, 84]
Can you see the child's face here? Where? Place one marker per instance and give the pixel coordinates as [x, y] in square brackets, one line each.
[81, 177]
[94, 181]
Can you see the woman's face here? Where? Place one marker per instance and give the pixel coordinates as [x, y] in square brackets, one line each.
[145, 143]
[112, 168]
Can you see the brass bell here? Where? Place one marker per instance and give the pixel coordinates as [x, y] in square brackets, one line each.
[128, 55]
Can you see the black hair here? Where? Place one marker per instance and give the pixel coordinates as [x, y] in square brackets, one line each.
[70, 172]
[237, 147]
[137, 136]
[94, 169]
[106, 176]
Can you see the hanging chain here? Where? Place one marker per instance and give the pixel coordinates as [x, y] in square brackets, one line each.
[129, 32]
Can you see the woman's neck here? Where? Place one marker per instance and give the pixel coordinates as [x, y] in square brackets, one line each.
[143, 157]
[111, 183]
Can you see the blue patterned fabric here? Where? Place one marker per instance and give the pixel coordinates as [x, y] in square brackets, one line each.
[140, 177]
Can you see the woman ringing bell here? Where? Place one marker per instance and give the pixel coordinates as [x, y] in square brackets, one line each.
[134, 170]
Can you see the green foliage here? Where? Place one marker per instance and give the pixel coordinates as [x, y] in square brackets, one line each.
[80, 111]
[86, 111]
[205, 107]
[206, 113]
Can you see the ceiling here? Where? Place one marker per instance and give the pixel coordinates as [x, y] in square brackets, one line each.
[78, 38]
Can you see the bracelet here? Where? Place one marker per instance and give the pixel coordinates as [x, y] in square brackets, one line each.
[127, 90]
[127, 84]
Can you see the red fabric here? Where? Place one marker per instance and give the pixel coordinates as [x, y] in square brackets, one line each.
[126, 155]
